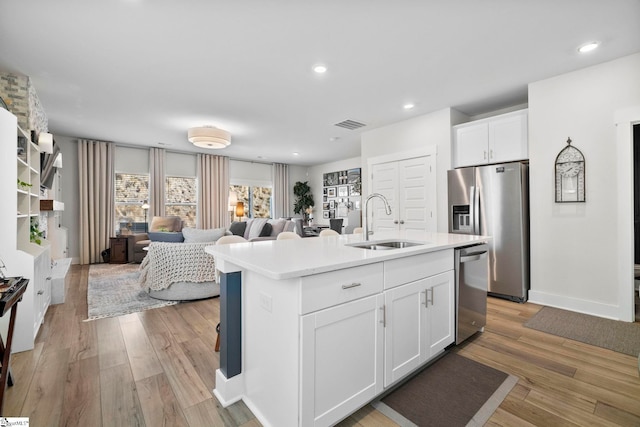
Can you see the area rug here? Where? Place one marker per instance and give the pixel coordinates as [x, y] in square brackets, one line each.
[453, 391]
[622, 337]
[113, 290]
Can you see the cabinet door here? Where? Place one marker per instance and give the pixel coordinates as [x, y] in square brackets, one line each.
[471, 144]
[42, 288]
[341, 360]
[405, 343]
[508, 138]
[441, 314]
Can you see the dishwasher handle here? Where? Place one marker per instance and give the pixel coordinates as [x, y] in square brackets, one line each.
[473, 253]
[473, 257]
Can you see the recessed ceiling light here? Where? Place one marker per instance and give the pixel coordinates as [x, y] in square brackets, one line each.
[588, 47]
[408, 106]
[320, 69]
[334, 138]
[295, 153]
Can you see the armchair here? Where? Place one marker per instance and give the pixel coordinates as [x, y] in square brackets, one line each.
[162, 229]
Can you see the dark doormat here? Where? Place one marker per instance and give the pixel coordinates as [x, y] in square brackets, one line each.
[454, 391]
[623, 337]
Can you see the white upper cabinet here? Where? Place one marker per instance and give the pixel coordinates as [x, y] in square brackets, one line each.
[496, 139]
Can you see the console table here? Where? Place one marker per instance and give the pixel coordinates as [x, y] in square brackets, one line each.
[9, 302]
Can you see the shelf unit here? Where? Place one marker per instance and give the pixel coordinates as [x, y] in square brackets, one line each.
[22, 257]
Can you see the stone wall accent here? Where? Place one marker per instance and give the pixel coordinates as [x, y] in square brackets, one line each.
[21, 98]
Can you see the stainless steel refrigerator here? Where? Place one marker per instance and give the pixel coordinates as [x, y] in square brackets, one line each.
[493, 200]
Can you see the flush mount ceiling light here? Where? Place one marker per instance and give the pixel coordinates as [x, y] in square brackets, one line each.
[588, 47]
[408, 106]
[209, 137]
[320, 69]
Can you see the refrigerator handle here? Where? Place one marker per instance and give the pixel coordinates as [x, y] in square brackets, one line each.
[476, 209]
[472, 208]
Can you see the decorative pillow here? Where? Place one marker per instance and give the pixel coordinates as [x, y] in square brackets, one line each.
[171, 237]
[266, 230]
[256, 227]
[166, 223]
[237, 228]
[277, 226]
[195, 235]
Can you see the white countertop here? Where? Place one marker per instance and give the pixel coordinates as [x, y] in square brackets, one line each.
[285, 259]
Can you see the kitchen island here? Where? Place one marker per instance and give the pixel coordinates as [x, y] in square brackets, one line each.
[313, 329]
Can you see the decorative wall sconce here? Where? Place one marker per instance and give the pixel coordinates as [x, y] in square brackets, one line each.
[570, 175]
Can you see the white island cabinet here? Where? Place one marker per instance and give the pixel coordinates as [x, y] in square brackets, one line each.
[325, 326]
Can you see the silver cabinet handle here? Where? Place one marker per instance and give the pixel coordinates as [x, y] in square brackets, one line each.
[40, 292]
[395, 221]
[430, 300]
[491, 154]
[353, 285]
[384, 316]
[402, 221]
[425, 297]
[484, 154]
[48, 278]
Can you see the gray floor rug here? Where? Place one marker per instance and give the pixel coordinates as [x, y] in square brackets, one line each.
[622, 337]
[113, 290]
[453, 391]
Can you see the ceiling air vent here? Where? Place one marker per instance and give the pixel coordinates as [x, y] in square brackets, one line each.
[350, 124]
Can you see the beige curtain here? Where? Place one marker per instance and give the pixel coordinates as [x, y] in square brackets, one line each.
[96, 169]
[280, 181]
[156, 182]
[213, 191]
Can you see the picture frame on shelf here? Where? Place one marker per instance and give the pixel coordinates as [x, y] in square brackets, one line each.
[353, 191]
[332, 213]
[343, 191]
[331, 192]
[325, 214]
[332, 204]
[325, 198]
[325, 206]
[353, 175]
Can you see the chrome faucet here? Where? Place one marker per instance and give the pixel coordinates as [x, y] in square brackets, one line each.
[387, 209]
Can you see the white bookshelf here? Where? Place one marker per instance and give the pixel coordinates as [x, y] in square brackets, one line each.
[20, 255]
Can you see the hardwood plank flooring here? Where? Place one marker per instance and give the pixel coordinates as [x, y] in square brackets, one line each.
[157, 368]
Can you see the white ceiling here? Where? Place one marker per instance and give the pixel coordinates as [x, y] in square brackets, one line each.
[143, 71]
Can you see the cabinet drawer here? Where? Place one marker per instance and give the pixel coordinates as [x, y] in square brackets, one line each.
[340, 286]
[408, 269]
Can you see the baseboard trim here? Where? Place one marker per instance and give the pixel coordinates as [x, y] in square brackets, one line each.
[593, 308]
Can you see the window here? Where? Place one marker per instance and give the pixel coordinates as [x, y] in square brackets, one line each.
[181, 196]
[257, 200]
[132, 190]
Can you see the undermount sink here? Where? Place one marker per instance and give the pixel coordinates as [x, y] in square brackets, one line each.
[386, 245]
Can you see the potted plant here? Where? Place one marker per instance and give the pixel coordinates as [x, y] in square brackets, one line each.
[304, 199]
[35, 234]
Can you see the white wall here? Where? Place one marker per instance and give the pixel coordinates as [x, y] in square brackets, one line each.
[432, 129]
[575, 251]
[315, 179]
[69, 189]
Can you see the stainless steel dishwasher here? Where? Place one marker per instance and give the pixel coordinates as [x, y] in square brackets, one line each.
[472, 270]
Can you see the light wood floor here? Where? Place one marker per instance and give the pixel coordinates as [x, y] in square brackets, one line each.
[157, 368]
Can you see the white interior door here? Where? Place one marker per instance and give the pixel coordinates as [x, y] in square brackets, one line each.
[415, 208]
[410, 187]
[385, 182]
